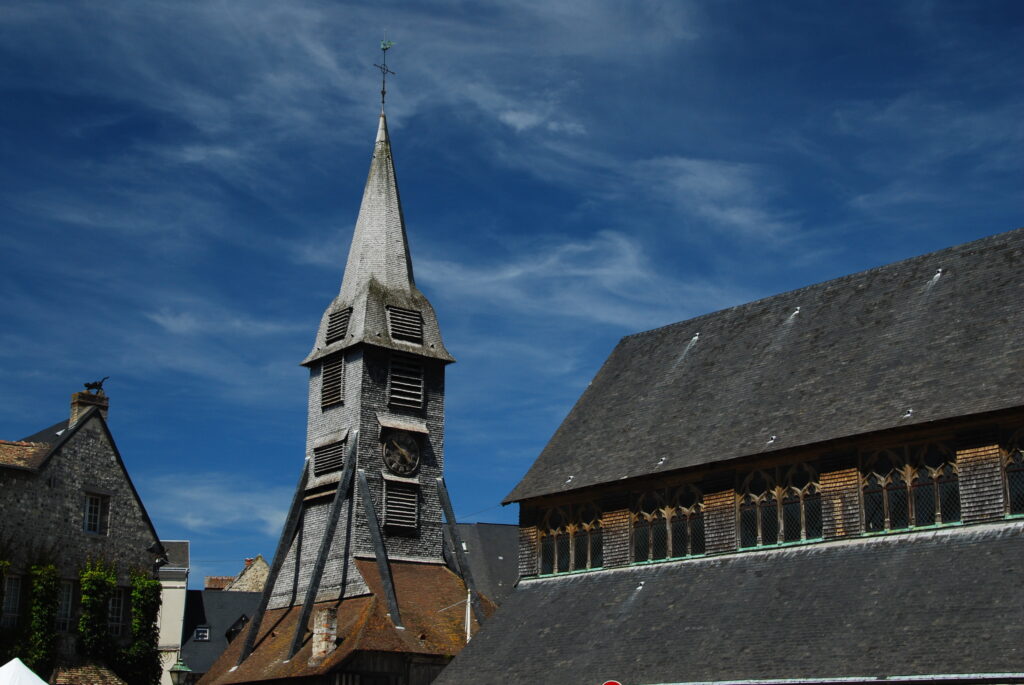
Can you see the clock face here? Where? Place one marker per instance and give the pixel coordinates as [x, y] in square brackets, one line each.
[401, 453]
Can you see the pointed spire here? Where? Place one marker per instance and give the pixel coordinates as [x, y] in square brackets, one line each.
[380, 248]
[378, 274]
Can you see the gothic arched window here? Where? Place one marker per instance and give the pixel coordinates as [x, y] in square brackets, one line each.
[1013, 470]
[772, 512]
[910, 487]
[571, 540]
[668, 525]
[759, 510]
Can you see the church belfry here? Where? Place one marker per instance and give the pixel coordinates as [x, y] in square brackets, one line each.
[360, 587]
[376, 393]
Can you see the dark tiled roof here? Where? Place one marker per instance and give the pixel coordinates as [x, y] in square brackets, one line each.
[363, 625]
[23, 455]
[177, 553]
[941, 602]
[493, 553]
[862, 352]
[50, 435]
[218, 611]
[89, 674]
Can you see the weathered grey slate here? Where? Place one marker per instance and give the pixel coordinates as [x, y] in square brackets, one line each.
[863, 351]
[933, 603]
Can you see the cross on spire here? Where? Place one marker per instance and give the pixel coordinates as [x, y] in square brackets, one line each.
[385, 45]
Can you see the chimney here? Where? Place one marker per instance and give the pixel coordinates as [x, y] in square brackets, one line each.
[325, 632]
[248, 562]
[81, 402]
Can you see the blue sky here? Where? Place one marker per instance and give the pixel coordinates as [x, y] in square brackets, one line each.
[179, 181]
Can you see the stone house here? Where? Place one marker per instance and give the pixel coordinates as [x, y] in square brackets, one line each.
[822, 486]
[66, 498]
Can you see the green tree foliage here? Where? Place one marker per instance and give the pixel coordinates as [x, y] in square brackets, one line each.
[41, 640]
[98, 583]
[139, 662]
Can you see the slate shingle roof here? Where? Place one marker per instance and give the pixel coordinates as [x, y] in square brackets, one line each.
[492, 550]
[378, 273]
[218, 611]
[942, 602]
[862, 351]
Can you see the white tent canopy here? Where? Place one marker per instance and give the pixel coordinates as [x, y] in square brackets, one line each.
[16, 673]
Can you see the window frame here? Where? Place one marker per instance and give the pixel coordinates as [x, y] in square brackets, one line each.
[1014, 458]
[799, 484]
[562, 530]
[912, 468]
[10, 612]
[116, 614]
[65, 615]
[653, 510]
[100, 523]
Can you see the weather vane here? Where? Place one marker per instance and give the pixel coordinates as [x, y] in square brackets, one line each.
[385, 45]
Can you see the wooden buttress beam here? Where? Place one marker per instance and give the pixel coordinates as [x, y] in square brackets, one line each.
[291, 526]
[460, 551]
[383, 566]
[340, 496]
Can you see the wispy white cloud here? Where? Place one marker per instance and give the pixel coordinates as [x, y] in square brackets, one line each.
[731, 196]
[216, 321]
[607, 278]
[216, 502]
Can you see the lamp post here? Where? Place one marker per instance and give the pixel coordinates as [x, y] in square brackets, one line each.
[180, 673]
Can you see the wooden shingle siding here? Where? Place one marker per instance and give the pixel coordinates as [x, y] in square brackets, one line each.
[981, 482]
[840, 499]
[720, 521]
[615, 525]
[528, 541]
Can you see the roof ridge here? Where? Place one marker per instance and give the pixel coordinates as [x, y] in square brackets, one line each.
[838, 279]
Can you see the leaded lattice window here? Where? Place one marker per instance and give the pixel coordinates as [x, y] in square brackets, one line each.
[12, 602]
[667, 524]
[779, 506]
[65, 606]
[571, 540]
[910, 487]
[116, 612]
[1013, 470]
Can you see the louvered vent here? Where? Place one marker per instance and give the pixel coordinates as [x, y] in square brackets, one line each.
[333, 373]
[401, 508]
[405, 324]
[406, 386]
[328, 458]
[337, 325]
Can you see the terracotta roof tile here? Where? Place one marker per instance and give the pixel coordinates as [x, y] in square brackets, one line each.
[89, 674]
[424, 592]
[217, 582]
[25, 455]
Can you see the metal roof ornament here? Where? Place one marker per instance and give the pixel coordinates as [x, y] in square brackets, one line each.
[385, 45]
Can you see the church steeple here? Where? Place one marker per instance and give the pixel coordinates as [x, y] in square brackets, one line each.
[378, 280]
[380, 248]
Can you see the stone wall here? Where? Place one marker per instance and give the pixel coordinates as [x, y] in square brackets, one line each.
[43, 512]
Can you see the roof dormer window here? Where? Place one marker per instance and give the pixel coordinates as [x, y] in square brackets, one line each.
[337, 325]
[405, 324]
